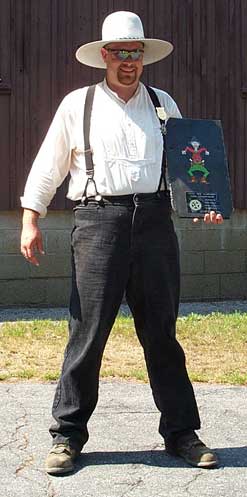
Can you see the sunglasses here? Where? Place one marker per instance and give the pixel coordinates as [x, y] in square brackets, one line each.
[125, 54]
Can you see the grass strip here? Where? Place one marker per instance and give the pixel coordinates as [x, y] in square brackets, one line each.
[215, 346]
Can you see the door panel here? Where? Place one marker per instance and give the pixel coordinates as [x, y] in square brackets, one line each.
[5, 96]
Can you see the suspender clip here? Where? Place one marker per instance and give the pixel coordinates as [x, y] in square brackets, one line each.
[84, 200]
[90, 173]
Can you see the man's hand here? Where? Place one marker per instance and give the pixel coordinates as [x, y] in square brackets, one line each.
[31, 237]
[211, 217]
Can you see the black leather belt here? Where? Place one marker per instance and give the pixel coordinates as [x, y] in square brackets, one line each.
[130, 198]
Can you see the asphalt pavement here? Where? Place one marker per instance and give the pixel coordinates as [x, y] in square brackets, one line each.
[125, 455]
[58, 313]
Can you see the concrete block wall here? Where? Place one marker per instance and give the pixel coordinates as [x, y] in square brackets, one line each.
[213, 261]
[23, 284]
[213, 258]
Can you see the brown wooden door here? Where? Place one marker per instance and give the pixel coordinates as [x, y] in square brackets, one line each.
[207, 73]
[5, 102]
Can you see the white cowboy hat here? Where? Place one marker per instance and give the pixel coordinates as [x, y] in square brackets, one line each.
[123, 26]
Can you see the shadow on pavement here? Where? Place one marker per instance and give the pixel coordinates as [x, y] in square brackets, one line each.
[230, 457]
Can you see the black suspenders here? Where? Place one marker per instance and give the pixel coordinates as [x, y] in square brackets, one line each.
[156, 104]
[86, 130]
[88, 151]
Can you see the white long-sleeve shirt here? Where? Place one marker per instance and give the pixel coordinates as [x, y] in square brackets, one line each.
[125, 139]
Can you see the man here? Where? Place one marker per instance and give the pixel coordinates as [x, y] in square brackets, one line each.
[123, 240]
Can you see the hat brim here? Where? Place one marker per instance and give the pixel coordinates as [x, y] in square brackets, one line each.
[155, 50]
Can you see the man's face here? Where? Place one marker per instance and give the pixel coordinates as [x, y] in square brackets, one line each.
[122, 73]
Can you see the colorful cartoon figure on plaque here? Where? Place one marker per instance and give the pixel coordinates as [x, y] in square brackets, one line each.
[197, 163]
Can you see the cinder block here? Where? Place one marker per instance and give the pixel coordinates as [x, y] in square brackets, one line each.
[14, 267]
[234, 239]
[192, 262]
[204, 287]
[213, 260]
[183, 223]
[10, 241]
[238, 219]
[58, 242]
[52, 266]
[225, 262]
[58, 292]
[10, 219]
[57, 219]
[233, 286]
[201, 240]
[23, 292]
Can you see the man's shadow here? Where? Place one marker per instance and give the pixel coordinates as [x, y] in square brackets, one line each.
[230, 457]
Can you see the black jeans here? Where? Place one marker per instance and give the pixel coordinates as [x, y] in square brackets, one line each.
[126, 244]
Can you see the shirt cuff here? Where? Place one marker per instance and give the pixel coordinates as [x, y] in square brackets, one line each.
[34, 206]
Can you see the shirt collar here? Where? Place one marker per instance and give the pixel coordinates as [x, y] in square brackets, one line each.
[115, 95]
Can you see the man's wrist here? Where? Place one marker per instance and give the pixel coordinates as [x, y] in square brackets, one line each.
[30, 217]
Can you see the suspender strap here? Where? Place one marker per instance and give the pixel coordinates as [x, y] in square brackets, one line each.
[86, 130]
[156, 104]
[87, 149]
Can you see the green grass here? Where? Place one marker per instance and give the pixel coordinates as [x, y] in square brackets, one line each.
[52, 375]
[215, 347]
[38, 329]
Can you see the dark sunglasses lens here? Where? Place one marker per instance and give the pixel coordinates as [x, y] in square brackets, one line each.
[124, 54]
[135, 55]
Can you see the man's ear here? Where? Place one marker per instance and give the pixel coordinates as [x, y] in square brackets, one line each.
[103, 53]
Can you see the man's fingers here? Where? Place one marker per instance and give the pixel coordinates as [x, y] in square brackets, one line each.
[28, 251]
[31, 241]
[216, 218]
[30, 256]
[210, 217]
[33, 260]
[219, 219]
[40, 246]
[207, 218]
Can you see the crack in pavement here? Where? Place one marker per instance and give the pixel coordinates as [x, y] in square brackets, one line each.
[20, 439]
[10, 442]
[23, 442]
[19, 445]
[25, 464]
[21, 422]
[13, 435]
[186, 488]
[50, 489]
[47, 485]
[193, 480]
[132, 486]
[147, 472]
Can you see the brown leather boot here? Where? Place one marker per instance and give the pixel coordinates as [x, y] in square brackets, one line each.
[192, 450]
[60, 459]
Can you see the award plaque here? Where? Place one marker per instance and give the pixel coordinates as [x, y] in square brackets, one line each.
[197, 167]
